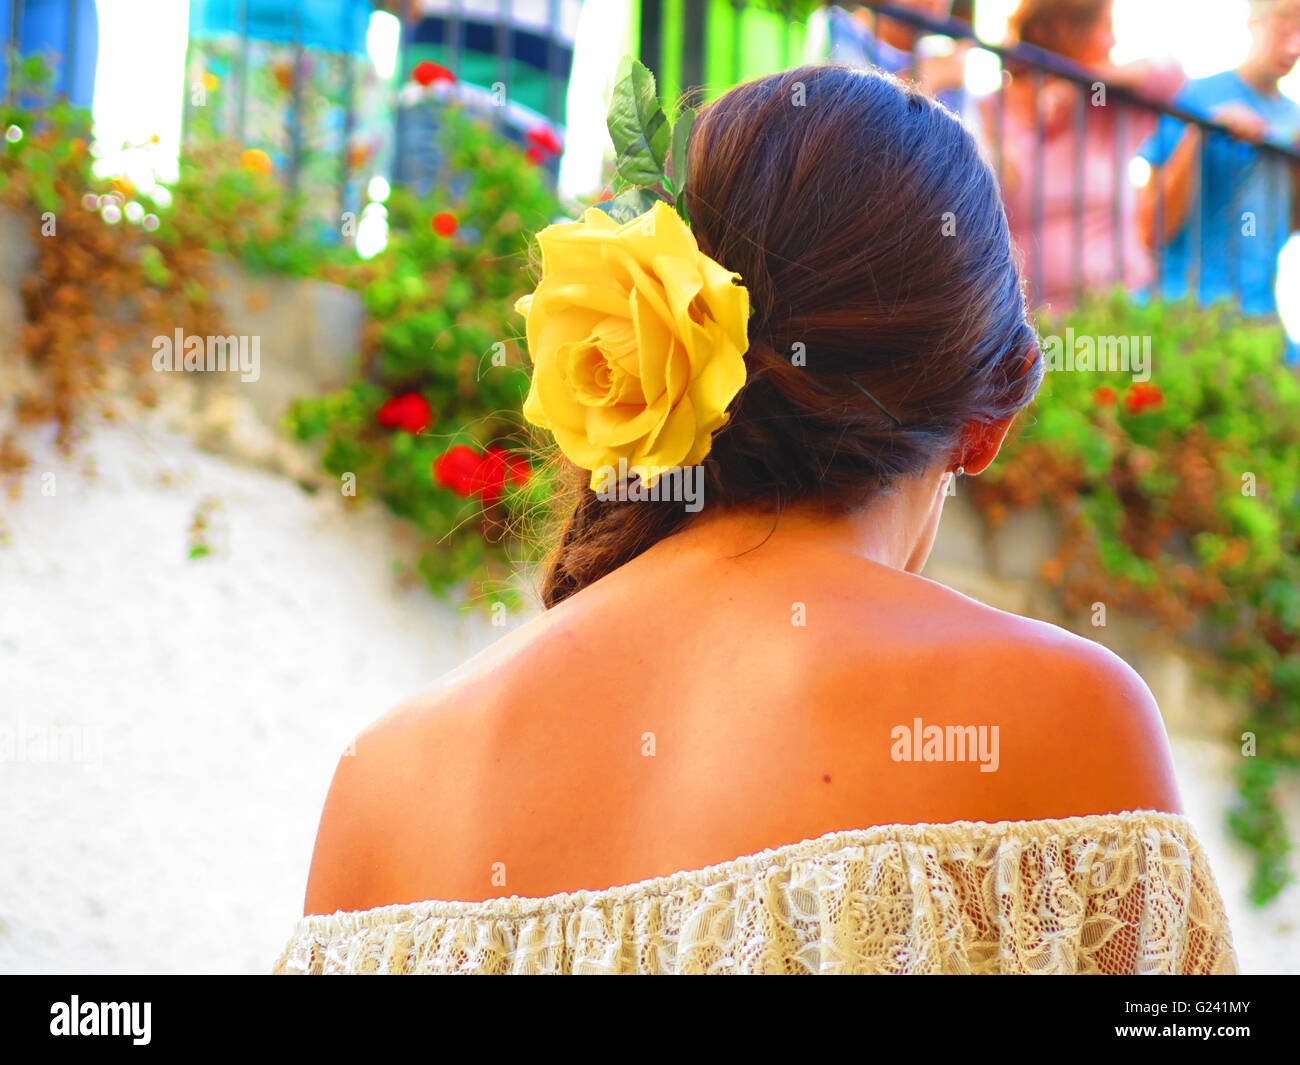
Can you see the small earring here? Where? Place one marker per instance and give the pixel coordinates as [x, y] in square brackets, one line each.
[960, 471]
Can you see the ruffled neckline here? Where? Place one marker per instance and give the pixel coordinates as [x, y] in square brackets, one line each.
[935, 833]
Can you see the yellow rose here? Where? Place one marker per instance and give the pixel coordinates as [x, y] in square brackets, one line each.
[637, 340]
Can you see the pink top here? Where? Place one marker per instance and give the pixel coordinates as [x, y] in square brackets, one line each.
[1062, 252]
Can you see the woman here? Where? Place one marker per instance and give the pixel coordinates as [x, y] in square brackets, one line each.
[1070, 199]
[715, 751]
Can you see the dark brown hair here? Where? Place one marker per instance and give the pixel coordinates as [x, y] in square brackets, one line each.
[868, 230]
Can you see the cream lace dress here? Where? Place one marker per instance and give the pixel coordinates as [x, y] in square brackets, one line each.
[1128, 892]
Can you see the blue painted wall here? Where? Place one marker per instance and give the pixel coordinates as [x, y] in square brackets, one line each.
[43, 27]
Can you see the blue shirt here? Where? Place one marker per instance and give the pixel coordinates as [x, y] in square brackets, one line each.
[853, 44]
[1244, 216]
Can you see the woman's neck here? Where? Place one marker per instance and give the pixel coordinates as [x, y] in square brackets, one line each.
[895, 530]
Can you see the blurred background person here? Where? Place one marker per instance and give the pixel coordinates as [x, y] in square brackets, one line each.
[1230, 230]
[1082, 236]
[859, 37]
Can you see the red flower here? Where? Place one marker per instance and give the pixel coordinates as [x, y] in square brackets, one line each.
[544, 137]
[536, 155]
[1105, 397]
[456, 468]
[518, 470]
[1141, 396]
[427, 72]
[444, 224]
[470, 473]
[490, 478]
[410, 413]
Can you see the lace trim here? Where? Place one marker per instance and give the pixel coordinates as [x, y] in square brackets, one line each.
[750, 865]
[951, 884]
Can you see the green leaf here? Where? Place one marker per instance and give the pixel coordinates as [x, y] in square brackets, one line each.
[681, 138]
[629, 204]
[638, 126]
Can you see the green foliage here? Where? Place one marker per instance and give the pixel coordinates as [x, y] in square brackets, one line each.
[228, 199]
[642, 134]
[54, 133]
[98, 279]
[638, 127]
[226, 206]
[442, 326]
[1181, 500]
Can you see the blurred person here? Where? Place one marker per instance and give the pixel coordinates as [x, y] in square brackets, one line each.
[861, 38]
[1233, 234]
[714, 751]
[1082, 236]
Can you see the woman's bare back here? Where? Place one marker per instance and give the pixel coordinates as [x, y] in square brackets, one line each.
[705, 702]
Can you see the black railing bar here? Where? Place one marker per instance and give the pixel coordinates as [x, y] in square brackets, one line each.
[1038, 191]
[1196, 238]
[695, 50]
[650, 33]
[1000, 114]
[1274, 206]
[1235, 256]
[1158, 226]
[1117, 200]
[1058, 66]
[1080, 140]
[737, 7]
[787, 24]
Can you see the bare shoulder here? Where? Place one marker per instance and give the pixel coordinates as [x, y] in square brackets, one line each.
[403, 762]
[349, 859]
[1082, 732]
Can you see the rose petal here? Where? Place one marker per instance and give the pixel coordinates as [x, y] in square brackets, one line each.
[674, 439]
[618, 426]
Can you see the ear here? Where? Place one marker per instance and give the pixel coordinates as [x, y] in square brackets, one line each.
[980, 444]
[981, 441]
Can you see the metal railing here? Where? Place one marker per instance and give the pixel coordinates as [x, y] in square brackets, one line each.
[512, 57]
[515, 57]
[1123, 108]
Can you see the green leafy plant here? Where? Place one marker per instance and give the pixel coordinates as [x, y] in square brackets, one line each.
[1179, 500]
[99, 280]
[431, 427]
[229, 200]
